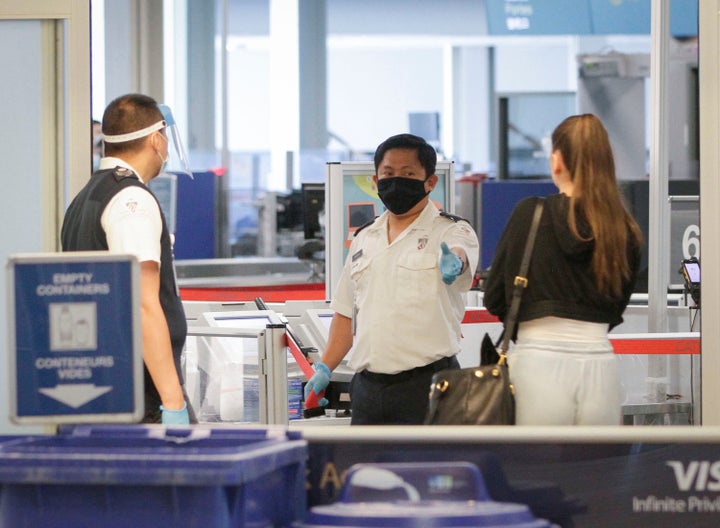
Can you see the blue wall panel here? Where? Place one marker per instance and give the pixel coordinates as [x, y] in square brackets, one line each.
[497, 203]
[195, 229]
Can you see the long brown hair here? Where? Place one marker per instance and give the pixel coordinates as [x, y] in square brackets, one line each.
[585, 148]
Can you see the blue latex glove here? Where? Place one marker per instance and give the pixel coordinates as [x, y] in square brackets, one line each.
[450, 264]
[318, 382]
[179, 417]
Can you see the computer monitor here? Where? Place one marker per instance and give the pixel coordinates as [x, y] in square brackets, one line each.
[164, 187]
[426, 125]
[232, 349]
[358, 214]
[252, 319]
[313, 204]
[290, 211]
[223, 351]
[319, 321]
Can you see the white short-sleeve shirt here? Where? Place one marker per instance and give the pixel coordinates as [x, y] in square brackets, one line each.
[132, 220]
[405, 316]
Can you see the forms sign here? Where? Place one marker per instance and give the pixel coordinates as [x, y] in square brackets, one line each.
[75, 339]
[585, 17]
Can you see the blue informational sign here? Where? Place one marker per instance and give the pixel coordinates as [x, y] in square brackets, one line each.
[75, 338]
[538, 17]
[585, 17]
[632, 17]
[684, 18]
[623, 18]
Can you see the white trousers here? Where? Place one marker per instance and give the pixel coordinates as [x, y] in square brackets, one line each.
[565, 373]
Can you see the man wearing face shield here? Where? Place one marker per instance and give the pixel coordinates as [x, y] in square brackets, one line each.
[116, 211]
[399, 301]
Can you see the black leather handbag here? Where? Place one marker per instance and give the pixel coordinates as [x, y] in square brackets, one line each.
[483, 395]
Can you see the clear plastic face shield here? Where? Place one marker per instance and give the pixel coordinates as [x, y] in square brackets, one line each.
[179, 162]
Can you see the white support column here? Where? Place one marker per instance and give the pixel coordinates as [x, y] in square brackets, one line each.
[175, 62]
[150, 48]
[297, 85]
[467, 136]
[133, 48]
[709, 62]
[312, 39]
[659, 219]
[451, 79]
[284, 88]
[201, 79]
[659, 227]
[97, 11]
[121, 72]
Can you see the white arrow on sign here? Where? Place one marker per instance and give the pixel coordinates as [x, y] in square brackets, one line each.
[75, 395]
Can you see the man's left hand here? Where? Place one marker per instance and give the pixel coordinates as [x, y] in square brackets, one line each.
[450, 264]
[172, 417]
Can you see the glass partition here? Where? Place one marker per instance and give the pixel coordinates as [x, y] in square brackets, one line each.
[238, 369]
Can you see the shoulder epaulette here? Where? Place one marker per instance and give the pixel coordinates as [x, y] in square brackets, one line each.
[453, 217]
[122, 172]
[366, 224]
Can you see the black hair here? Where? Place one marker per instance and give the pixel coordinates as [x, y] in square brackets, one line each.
[125, 114]
[425, 152]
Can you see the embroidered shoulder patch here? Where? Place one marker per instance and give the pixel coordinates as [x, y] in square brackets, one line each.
[131, 205]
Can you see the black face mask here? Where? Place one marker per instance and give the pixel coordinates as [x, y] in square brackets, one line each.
[401, 194]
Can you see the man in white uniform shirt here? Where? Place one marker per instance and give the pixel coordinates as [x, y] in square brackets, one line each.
[399, 301]
[115, 211]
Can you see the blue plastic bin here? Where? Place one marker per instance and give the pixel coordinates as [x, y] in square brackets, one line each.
[145, 476]
[419, 495]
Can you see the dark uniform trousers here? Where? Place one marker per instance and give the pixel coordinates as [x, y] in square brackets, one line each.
[394, 399]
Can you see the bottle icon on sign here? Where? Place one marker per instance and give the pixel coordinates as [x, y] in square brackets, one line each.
[82, 332]
[65, 328]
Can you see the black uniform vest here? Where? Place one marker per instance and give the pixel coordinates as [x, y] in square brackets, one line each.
[82, 231]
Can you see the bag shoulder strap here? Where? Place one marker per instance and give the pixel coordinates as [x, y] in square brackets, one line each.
[521, 281]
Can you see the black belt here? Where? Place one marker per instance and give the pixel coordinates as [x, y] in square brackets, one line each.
[405, 375]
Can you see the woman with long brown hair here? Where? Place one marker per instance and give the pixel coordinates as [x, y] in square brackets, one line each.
[583, 270]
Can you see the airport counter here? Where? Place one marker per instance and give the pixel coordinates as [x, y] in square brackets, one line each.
[226, 476]
[570, 476]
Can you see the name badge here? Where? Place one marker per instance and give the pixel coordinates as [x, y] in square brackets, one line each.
[357, 255]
